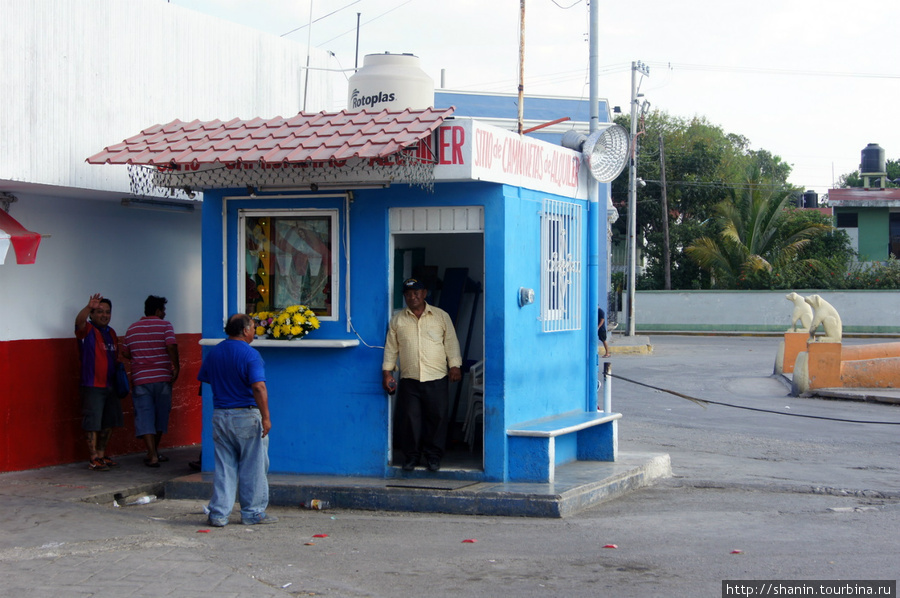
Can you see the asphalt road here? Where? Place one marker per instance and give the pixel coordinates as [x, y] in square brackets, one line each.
[755, 495]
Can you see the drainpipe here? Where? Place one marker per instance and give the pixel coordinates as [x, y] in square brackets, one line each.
[594, 221]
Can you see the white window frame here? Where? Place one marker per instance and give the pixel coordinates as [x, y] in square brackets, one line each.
[561, 258]
[332, 214]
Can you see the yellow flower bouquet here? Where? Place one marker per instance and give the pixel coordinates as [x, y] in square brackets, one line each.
[292, 322]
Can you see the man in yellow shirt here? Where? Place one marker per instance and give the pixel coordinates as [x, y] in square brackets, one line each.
[424, 339]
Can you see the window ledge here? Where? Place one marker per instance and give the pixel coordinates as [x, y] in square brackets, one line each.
[335, 343]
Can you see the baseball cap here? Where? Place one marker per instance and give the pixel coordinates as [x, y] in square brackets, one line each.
[412, 284]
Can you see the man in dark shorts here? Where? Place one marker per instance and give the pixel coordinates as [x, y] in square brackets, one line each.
[98, 347]
[601, 330]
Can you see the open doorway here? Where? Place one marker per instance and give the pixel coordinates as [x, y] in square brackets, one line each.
[451, 264]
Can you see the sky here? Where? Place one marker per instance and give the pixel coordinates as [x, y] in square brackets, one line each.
[812, 81]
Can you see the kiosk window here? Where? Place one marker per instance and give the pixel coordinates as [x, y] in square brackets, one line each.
[289, 260]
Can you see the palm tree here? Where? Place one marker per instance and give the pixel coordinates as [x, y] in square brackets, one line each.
[753, 240]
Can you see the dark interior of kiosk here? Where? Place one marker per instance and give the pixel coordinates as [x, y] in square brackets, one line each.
[458, 293]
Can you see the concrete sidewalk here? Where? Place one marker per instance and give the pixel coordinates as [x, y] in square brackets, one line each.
[810, 499]
[578, 486]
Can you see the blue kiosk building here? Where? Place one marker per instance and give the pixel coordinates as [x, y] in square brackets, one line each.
[333, 211]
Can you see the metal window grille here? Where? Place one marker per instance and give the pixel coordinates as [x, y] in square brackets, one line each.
[561, 254]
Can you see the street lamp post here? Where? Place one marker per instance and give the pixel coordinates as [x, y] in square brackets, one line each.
[636, 110]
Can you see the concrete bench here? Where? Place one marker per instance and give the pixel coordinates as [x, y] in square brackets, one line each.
[537, 446]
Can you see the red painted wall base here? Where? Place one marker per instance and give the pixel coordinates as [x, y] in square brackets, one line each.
[40, 410]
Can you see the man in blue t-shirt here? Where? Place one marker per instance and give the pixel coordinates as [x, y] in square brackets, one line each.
[241, 425]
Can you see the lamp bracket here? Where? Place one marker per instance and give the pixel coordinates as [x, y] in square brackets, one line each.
[6, 199]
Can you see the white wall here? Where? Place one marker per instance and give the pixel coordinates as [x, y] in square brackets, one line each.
[82, 75]
[79, 76]
[860, 311]
[99, 247]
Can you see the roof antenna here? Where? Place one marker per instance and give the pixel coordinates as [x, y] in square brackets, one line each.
[308, 42]
[356, 58]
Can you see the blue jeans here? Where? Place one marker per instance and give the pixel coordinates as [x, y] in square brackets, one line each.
[152, 404]
[242, 461]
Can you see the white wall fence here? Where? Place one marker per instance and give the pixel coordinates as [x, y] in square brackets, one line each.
[758, 311]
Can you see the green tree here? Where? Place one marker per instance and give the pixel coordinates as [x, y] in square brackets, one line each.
[702, 163]
[854, 179]
[756, 240]
[685, 273]
[824, 263]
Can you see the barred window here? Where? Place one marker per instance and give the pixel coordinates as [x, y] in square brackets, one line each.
[561, 254]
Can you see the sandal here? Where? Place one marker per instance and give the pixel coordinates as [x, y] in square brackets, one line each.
[97, 465]
[109, 462]
[150, 463]
[162, 458]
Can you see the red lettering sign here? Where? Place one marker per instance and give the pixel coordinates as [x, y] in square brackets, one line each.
[450, 144]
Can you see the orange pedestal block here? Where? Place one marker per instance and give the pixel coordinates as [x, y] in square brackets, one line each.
[794, 344]
[824, 365]
[828, 365]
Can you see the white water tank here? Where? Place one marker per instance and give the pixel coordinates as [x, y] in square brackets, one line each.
[390, 82]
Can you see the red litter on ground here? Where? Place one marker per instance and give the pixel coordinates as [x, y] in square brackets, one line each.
[202, 531]
[469, 541]
[320, 536]
[737, 552]
[611, 546]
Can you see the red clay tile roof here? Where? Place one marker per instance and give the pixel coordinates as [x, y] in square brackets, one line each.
[302, 138]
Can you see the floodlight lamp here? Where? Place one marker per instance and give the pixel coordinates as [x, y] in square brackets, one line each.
[605, 151]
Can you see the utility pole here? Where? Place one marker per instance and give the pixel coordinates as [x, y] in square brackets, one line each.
[667, 258]
[521, 116]
[594, 216]
[636, 68]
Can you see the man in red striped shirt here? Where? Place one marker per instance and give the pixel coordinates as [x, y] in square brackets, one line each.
[151, 346]
[98, 349]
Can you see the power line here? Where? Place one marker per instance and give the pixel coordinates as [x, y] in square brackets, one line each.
[573, 5]
[622, 67]
[366, 23]
[548, 78]
[723, 184]
[769, 71]
[704, 402]
[320, 18]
